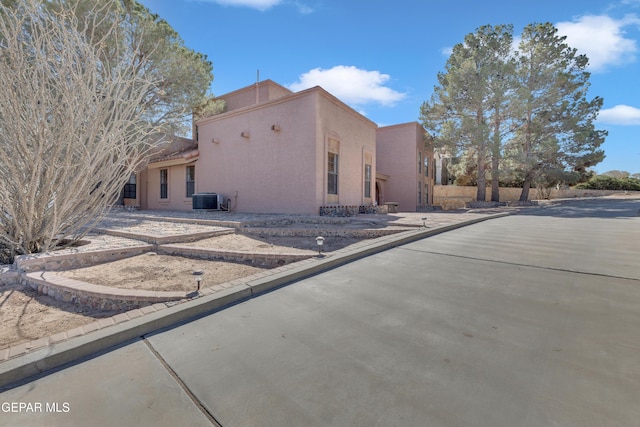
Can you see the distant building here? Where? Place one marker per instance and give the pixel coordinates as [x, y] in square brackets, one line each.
[406, 167]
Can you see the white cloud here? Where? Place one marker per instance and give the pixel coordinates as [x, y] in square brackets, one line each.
[255, 4]
[263, 5]
[351, 85]
[620, 115]
[602, 39]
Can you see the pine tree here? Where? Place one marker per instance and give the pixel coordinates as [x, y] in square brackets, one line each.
[467, 112]
[553, 117]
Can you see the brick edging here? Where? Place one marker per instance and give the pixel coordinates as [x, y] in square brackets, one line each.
[67, 261]
[156, 239]
[95, 296]
[269, 260]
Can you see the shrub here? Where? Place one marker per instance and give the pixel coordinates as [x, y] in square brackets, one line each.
[605, 182]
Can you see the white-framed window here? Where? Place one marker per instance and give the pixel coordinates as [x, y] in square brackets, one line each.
[426, 194]
[191, 180]
[332, 173]
[164, 183]
[367, 181]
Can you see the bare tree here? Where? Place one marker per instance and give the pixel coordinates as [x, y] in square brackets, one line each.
[70, 126]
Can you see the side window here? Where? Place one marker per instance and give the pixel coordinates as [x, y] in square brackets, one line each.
[367, 181]
[191, 180]
[332, 174]
[426, 194]
[164, 183]
[130, 187]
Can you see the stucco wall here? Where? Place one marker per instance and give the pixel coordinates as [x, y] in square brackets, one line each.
[177, 198]
[397, 150]
[272, 156]
[269, 170]
[356, 136]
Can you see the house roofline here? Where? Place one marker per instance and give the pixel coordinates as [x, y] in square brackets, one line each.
[187, 155]
[267, 82]
[283, 99]
[341, 104]
[414, 123]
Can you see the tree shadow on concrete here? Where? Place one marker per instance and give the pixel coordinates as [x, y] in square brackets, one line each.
[588, 208]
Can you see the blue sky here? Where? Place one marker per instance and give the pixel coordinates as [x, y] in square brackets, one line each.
[381, 57]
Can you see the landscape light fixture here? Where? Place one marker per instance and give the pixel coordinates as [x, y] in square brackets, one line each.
[198, 274]
[320, 242]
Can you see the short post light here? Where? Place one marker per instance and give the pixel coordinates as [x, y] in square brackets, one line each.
[198, 275]
[319, 242]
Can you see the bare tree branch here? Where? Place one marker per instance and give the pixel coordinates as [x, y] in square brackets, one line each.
[71, 128]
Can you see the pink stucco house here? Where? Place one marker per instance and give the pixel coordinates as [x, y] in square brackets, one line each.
[405, 167]
[278, 151]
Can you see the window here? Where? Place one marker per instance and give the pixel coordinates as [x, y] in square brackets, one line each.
[419, 193]
[332, 174]
[191, 180]
[130, 187]
[426, 166]
[419, 162]
[426, 194]
[164, 183]
[367, 180]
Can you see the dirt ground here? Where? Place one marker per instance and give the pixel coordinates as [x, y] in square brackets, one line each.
[160, 273]
[27, 316]
[274, 244]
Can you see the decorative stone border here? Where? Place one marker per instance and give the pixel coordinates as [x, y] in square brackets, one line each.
[368, 233]
[310, 221]
[352, 210]
[157, 239]
[8, 276]
[68, 261]
[95, 296]
[268, 260]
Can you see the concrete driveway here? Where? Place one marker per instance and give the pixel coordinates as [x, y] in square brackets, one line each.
[527, 320]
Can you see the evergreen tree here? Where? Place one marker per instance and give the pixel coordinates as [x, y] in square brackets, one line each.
[467, 112]
[181, 76]
[553, 117]
[527, 111]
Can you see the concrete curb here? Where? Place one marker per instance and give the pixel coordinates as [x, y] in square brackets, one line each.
[56, 355]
